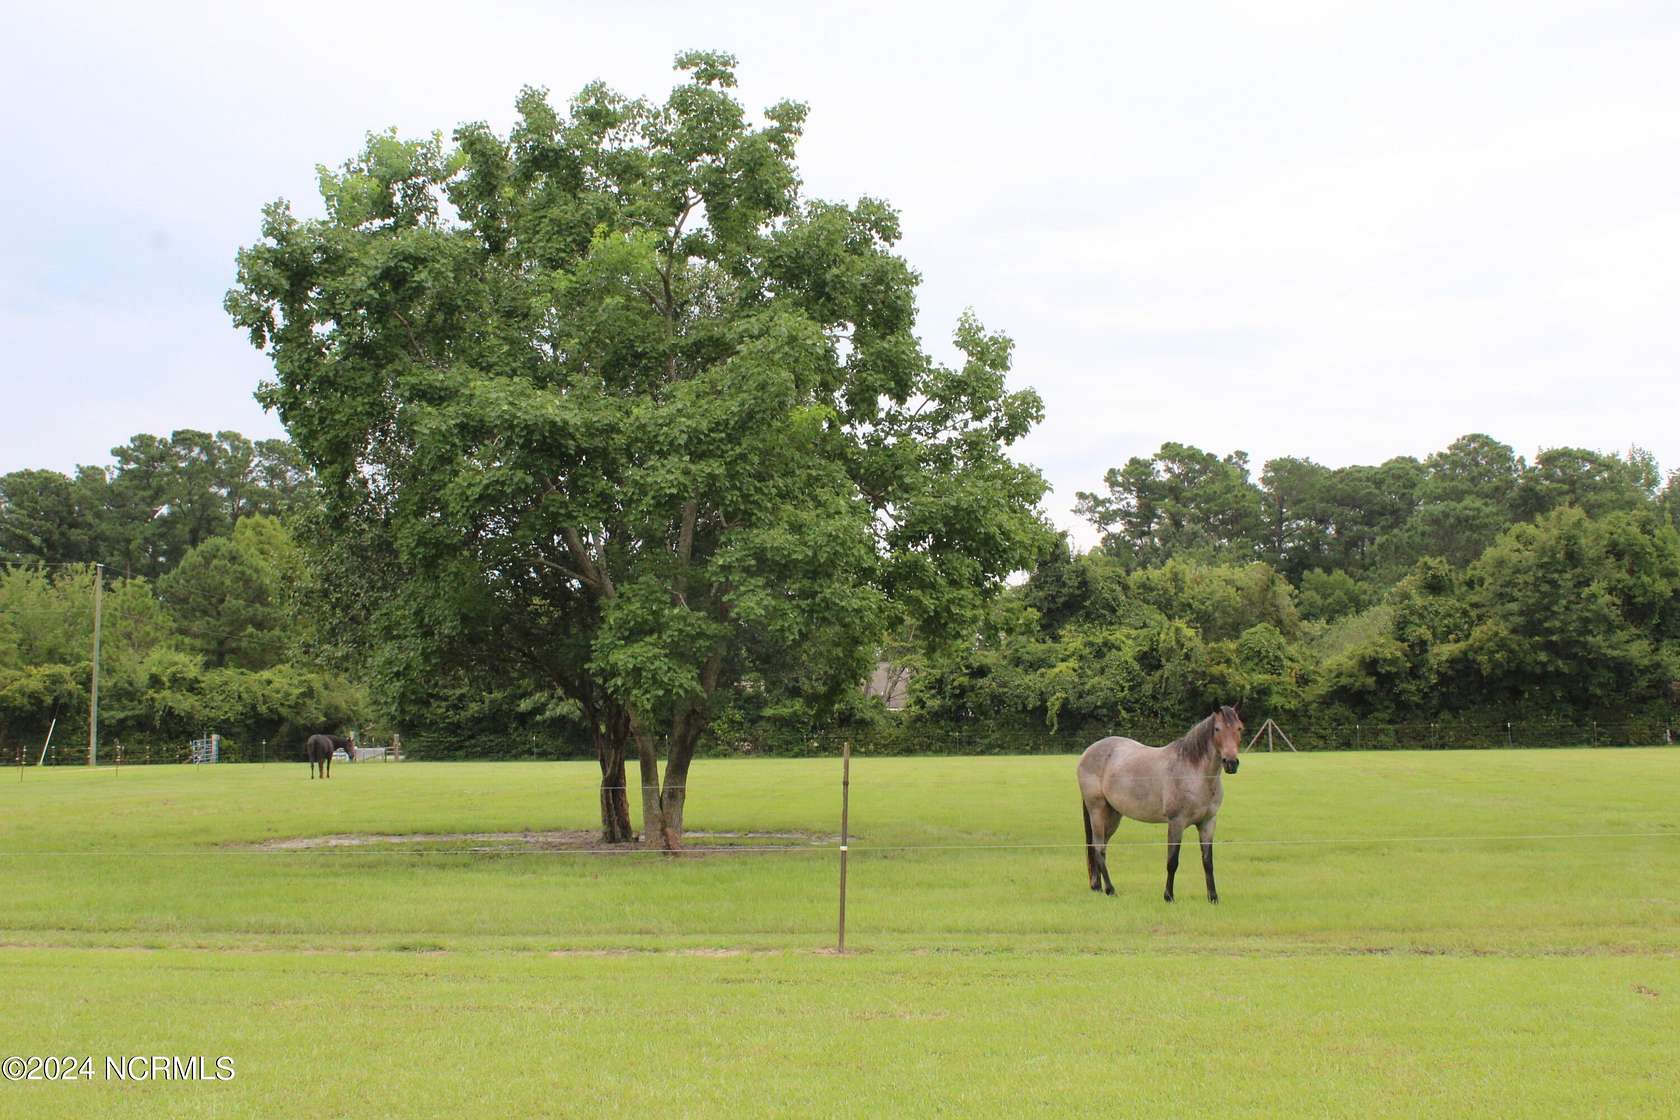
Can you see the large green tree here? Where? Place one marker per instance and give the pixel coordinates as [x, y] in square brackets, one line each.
[609, 377]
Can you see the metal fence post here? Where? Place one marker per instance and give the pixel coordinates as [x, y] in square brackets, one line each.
[845, 813]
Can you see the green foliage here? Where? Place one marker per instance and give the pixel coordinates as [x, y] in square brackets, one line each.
[1326, 596]
[1219, 601]
[1455, 531]
[31, 696]
[49, 517]
[1161, 645]
[1370, 522]
[1668, 501]
[1473, 467]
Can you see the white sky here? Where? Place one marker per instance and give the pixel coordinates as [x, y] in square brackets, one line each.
[1345, 231]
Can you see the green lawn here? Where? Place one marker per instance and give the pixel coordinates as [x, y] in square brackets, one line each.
[1398, 934]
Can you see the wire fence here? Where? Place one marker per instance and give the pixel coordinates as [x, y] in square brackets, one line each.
[913, 738]
[910, 738]
[115, 753]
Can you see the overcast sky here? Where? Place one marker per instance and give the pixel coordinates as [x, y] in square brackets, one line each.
[1344, 231]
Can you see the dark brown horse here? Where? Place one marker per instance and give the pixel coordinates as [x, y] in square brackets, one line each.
[318, 751]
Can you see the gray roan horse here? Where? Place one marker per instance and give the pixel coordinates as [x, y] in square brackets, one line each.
[318, 750]
[1177, 785]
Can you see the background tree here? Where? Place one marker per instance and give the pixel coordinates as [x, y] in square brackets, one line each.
[1593, 482]
[644, 393]
[1668, 501]
[171, 495]
[230, 596]
[47, 517]
[1180, 500]
[160, 498]
[1578, 611]
[1473, 466]
[1362, 505]
[1299, 514]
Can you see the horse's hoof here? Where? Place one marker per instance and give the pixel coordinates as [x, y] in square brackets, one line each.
[1108, 891]
[1213, 899]
[1166, 898]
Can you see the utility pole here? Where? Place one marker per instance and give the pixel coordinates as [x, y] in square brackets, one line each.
[93, 706]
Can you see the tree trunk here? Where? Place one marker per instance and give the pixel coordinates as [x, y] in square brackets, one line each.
[662, 806]
[611, 736]
[662, 809]
[653, 814]
[674, 796]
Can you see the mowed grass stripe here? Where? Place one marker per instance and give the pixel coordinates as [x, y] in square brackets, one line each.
[156, 856]
[801, 1034]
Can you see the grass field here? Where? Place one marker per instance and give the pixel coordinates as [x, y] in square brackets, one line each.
[1399, 934]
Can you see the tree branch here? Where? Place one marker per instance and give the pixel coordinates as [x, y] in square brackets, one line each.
[414, 341]
[593, 574]
[685, 535]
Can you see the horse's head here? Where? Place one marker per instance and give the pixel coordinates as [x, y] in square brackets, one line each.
[1227, 736]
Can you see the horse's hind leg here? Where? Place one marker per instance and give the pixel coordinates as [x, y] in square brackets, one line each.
[1104, 820]
[1204, 831]
[1108, 833]
[1090, 852]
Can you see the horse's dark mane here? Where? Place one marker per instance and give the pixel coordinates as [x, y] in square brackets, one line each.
[1196, 743]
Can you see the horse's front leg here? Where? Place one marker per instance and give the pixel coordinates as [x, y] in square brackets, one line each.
[1175, 835]
[1205, 832]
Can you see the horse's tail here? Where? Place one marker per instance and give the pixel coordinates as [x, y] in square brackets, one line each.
[1090, 852]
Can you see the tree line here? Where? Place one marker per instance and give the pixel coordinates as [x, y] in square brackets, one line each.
[159, 498]
[205, 619]
[1359, 600]
[1468, 585]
